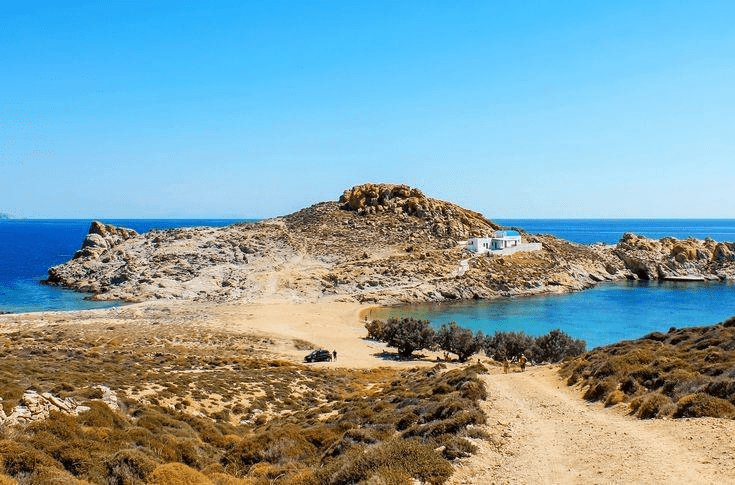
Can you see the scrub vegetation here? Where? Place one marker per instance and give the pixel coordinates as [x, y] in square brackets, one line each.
[204, 409]
[687, 372]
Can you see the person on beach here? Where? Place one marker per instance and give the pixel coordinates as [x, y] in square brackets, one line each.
[506, 365]
[522, 362]
[334, 354]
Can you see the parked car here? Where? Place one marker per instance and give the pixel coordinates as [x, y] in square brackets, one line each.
[320, 355]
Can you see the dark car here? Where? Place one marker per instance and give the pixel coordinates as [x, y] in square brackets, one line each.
[319, 356]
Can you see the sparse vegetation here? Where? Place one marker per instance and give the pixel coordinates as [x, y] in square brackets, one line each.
[228, 417]
[683, 373]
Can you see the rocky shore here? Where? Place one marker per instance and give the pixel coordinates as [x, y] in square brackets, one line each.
[380, 243]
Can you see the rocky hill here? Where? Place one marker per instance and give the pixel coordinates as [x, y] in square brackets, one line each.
[675, 259]
[379, 243]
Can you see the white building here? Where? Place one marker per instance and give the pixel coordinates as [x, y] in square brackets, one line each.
[499, 241]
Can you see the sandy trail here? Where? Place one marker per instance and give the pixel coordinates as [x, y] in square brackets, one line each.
[543, 432]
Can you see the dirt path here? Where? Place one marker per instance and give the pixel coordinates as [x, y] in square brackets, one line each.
[543, 432]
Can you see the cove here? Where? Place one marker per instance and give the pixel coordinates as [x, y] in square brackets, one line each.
[606, 314]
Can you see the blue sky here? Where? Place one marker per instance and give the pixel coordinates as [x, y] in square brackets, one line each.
[255, 109]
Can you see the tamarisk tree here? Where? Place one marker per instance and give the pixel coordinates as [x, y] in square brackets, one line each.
[461, 341]
[407, 335]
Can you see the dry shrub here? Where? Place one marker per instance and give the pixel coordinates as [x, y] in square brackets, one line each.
[615, 397]
[651, 405]
[219, 478]
[282, 445]
[129, 467]
[723, 388]
[18, 458]
[599, 390]
[699, 405]
[52, 475]
[449, 425]
[10, 392]
[177, 474]
[389, 476]
[408, 456]
[75, 456]
[454, 447]
[60, 425]
[100, 415]
[301, 477]
[624, 363]
[158, 419]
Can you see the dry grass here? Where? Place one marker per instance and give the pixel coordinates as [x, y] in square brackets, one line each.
[212, 411]
[684, 373]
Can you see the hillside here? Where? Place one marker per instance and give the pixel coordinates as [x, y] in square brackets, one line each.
[687, 372]
[380, 243]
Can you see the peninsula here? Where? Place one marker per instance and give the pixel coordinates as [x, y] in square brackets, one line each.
[378, 244]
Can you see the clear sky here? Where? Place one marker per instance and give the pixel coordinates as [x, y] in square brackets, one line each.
[253, 109]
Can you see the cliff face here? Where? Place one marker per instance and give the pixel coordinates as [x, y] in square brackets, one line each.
[380, 243]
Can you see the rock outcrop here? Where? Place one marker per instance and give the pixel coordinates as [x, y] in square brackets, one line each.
[380, 243]
[675, 259]
[446, 219]
[101, 237]
[37, 407]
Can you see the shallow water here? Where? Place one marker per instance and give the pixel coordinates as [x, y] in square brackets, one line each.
[602, 315]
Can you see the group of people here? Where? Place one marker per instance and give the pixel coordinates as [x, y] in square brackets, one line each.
[521, 363]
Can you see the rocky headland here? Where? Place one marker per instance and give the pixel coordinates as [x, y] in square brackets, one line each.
[379, 243]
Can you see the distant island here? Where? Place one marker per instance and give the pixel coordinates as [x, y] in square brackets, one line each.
[5, 216]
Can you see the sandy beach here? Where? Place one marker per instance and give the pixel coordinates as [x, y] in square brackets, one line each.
[290, 329]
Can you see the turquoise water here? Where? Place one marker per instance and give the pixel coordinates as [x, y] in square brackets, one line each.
[602, 315]
[606, 314]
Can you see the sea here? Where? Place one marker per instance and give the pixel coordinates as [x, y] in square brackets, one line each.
[29, 247]
[605, 314]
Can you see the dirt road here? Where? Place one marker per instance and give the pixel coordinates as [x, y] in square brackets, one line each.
[543, 432]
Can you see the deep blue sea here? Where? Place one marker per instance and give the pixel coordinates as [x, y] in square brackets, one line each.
[606, 314]
[28, 247]
[609, 231]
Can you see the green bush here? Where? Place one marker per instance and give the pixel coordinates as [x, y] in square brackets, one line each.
[555, 346]
[407, 335]
[507, 345]
[457, 340]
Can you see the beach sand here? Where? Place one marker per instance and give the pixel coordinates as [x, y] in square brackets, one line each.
[291, 330]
